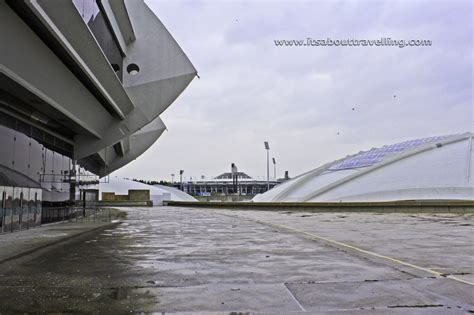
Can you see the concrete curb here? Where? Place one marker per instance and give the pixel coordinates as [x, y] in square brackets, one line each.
[386, 207]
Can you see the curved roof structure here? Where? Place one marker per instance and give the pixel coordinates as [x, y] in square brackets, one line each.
[435, 168]
[91, 78]
[176, 194]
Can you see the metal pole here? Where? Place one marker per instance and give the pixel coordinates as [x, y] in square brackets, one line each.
[268, 170]
[83, 203]
[274, 168]
[267, 147]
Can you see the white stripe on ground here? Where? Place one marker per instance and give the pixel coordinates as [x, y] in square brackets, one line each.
[354, 248]
[294, 298]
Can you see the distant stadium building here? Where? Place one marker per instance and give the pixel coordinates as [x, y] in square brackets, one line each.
[225, 185]
[435, 168]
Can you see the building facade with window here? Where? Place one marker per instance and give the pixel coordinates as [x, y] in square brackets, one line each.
[82, 87]
[225, 185]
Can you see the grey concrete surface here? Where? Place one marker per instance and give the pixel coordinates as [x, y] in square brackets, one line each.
[442, 242]
[170, 259]
[24, 242]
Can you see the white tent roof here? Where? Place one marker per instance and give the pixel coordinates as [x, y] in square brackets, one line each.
[435, 168]
[158, 193]
[176, 194]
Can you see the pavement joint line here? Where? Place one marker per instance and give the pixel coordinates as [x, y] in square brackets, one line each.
[357, 249]
[294, 298]
[460, 280]
[357, 281]
[401, 262]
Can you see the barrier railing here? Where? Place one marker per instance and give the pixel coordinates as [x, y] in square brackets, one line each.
[90, 214]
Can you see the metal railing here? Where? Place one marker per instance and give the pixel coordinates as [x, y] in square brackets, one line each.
[77, 214]
[51, 215]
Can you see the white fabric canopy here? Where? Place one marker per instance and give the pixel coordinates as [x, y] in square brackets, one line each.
[435, 168]
[158, 193]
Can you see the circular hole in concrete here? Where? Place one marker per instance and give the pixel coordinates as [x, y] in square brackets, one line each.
[115, 67]
[133, 69]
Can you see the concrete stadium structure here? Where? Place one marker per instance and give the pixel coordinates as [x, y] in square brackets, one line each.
[82, 85]
[435, 168]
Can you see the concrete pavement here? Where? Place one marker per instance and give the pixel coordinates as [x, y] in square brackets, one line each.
[171, 259]
[27, 242]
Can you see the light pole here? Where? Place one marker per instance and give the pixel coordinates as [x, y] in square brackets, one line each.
[172, 178]
[234, 171]
[181, 178]
[267, 147]
[274, 168]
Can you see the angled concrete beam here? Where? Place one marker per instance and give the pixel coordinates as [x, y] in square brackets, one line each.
[64, 22]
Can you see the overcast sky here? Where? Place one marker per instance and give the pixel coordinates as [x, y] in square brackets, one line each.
[301, 99]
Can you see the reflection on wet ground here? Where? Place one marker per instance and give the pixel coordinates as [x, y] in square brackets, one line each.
[168, 259]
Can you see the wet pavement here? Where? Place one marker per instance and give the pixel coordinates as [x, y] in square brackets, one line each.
[20, 243]
[169, 259]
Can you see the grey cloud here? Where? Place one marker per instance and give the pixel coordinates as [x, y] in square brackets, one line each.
[301, 99]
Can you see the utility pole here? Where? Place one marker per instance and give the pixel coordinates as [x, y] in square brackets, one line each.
[274, 169]
[234, 172]
[72, 183]
[267, 147]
